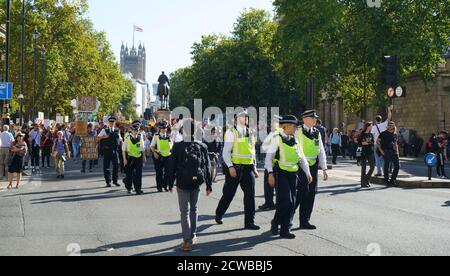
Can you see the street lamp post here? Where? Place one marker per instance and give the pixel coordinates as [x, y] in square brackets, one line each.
[21, 110]
[41, 89]
[35, 36]
[22, 50]
[4, 109]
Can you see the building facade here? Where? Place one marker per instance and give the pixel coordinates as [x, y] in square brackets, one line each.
[133, 66]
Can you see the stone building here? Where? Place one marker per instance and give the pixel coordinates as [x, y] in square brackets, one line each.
[133, 66]
[133, 61]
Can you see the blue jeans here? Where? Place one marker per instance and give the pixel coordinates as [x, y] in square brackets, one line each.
[379, 161]
[76, 150]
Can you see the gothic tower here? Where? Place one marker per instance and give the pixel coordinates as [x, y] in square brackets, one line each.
[133, 61]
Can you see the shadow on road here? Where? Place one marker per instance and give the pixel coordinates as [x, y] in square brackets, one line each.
[206, 218]
[337, 189]
[446, 204]
[209, 248]
[110, 194]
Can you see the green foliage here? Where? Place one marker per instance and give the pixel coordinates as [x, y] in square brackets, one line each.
[341, 43]
[236, 70]
[78, 60]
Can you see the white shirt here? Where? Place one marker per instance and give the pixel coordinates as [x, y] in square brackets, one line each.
[322, 154]
[383, 127]
[6, 139]
[229, 143]
[103, 133]
[272, 150]
[125, 144]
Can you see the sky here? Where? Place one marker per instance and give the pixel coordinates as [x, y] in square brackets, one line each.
[170, 27]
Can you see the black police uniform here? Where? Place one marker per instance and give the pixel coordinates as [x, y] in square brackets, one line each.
[111, 149]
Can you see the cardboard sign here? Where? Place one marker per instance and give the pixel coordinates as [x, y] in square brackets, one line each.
[81, 128]
[86, 103]
[59, 119]
[89, 148]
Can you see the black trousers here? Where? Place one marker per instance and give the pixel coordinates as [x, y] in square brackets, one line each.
[83, 164]
[440, 167]
[246, 179]
[366, 176]
[268, 191]
[162, 172]
[391, 157]
[287, 184]
[35, 156]
[306, 194]
[133, 173]
[111, 158]
[46, 154]
[335, 150]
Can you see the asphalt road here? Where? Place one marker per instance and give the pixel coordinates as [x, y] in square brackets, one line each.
[78, 216]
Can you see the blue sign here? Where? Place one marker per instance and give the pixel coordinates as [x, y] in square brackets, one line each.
[431, 160]
[6, 90]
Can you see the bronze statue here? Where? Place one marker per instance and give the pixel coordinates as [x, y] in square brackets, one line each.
[164, 91]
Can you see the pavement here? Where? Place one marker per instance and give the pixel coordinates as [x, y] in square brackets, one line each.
[78, 216]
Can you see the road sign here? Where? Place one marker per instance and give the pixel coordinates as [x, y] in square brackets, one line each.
[431, 160]
[6, 90]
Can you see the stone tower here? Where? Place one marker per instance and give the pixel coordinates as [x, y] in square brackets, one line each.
[133, 61]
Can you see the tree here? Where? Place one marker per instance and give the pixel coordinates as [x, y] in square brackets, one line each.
[341, 43]
[78, 59]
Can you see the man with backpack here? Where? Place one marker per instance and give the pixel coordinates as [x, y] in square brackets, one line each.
[190, 166]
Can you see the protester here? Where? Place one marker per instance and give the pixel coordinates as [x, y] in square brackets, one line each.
[60, 153]
[18, 151]
[440, 144]
[379, 128]
[35, 150]
[336, 144]
[91, 133]
[190, 166]
[6, 140]
[388, 147]
[46, 147]
[366, 142]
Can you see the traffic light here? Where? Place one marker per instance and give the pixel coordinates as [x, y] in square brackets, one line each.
[391, 71]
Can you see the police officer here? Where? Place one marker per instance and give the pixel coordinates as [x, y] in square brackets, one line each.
[161, 147]
[282, 164]
[111, 141]
[240, 169]
[133, 154]
[268, 190]
[310, 140]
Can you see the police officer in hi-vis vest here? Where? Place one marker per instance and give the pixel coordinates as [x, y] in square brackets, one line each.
[239, 156]
[133, 154]
[311, 141]
[161, 147]
[284, 159]
[269, 191]
[111, 142]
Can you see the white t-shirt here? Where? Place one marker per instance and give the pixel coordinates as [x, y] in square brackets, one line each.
[382, 127]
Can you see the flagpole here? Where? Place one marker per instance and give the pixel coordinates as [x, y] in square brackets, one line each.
[134, 31]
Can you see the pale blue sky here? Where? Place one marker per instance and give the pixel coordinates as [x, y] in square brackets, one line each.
[170, 26]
